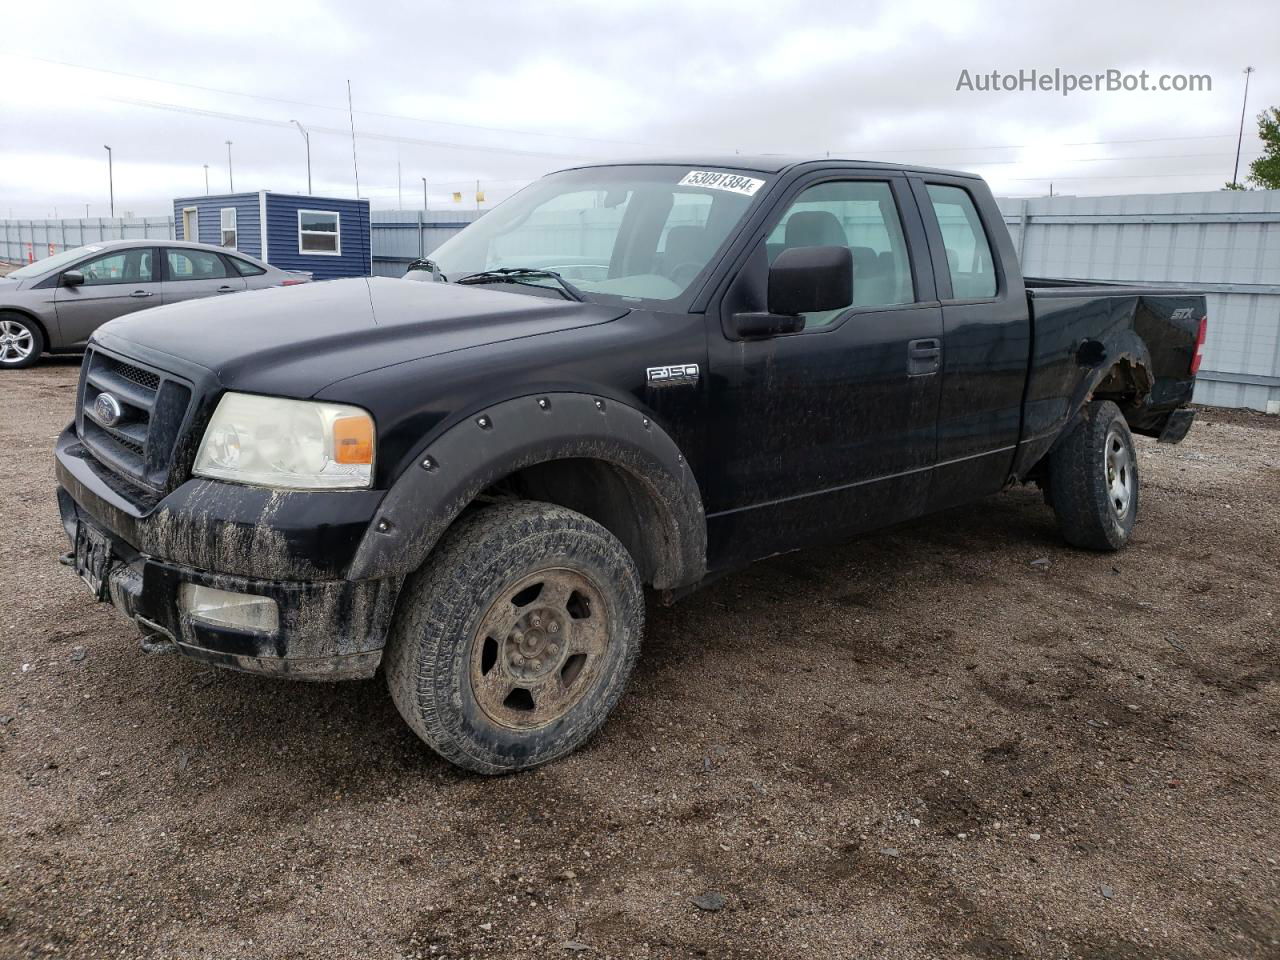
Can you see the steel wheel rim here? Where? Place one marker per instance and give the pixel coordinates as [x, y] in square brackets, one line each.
[1119, 468]
[16, 341]
[539, 648]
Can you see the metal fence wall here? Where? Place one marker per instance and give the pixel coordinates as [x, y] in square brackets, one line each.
[24, 240]
[1225, 242]
[401, 236]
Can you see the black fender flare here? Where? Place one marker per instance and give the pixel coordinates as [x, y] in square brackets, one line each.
[453, 467]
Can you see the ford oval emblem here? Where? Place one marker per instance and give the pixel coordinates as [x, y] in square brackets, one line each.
[107, 410]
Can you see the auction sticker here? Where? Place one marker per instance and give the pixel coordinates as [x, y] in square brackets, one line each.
[733, 182]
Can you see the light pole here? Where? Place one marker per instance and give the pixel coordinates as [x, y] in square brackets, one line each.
[231, 177]
[307, 137]
[424, 194]
[206, 179]
[111, 180]
[1240, 137]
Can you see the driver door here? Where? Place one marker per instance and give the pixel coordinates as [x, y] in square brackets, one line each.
[831, 431]
[115, 283]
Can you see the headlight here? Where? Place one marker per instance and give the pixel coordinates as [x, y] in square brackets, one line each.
[287, 443]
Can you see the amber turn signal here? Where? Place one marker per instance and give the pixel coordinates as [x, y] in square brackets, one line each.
[353, 440]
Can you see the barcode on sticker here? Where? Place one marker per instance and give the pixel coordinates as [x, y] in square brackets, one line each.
[733, 182]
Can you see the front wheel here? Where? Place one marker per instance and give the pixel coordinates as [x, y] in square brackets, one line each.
[1093, 480]
[515, 640]
[21, 342]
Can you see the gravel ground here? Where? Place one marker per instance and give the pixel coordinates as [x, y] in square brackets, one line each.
[959, 738]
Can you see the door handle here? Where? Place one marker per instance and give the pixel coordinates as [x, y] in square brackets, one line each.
[924, 356]
[226, 289]
[139, 294]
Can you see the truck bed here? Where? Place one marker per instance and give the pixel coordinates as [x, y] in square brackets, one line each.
[1151, 331]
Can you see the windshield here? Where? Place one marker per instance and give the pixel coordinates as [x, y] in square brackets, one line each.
[630, 232]
[41, 267]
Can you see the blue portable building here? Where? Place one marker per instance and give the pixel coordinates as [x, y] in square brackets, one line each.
[327, 235]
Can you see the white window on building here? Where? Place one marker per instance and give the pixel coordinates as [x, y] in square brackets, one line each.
[319, 232]
[229, 227]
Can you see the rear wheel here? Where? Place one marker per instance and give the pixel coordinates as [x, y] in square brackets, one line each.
[516, 638]
[1093, 480]
[21, 341]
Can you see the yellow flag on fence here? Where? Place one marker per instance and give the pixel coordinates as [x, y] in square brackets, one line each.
[457, 196]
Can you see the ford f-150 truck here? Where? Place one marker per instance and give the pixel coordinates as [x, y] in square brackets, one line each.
[626, 376]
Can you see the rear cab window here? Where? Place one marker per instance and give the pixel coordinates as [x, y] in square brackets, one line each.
[969, 260]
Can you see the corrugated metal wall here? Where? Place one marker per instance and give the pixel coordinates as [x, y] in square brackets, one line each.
[402, 236]
[22, 241]
[1225, 242]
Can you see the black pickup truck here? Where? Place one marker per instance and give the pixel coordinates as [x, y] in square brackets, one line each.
[626, 376]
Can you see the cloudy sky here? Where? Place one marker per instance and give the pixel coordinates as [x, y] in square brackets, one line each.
[504, 92]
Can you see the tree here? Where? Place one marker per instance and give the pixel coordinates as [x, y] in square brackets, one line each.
[1265, 171]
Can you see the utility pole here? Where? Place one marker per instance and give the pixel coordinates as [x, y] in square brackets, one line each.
[1240, 137]
[206, 179]
[86, 211]
[424, 194]
[399, 189]
[111, 180]
[307, 137]
[231, 178]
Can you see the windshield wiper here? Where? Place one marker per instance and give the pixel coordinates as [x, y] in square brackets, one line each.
[523, 275]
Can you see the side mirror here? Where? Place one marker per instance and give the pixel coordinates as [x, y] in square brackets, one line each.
[71, 278]
[811, 279]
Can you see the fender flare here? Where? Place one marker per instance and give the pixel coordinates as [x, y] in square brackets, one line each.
[453, 467]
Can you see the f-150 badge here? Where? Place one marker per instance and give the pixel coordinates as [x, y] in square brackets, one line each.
[672, 375]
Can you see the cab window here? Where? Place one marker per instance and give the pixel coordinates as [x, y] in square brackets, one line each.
[973, 272]
[123, 266]
[860, 215]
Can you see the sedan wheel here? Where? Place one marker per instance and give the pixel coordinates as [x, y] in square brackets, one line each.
[21, 342]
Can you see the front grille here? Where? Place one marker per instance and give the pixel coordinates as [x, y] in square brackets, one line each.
[137, 444]
[143, 378]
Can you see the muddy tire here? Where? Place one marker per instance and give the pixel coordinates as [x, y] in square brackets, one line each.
[1093, 480]
[515, 639]
[21, 341]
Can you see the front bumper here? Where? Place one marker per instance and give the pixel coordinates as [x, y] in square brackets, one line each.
[329, 628]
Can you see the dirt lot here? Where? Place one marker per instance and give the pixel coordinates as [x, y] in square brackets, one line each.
[923, 744]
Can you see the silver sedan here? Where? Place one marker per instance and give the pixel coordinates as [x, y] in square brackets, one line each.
[55, 304]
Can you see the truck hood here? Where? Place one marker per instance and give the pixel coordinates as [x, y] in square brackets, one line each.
[294, 341]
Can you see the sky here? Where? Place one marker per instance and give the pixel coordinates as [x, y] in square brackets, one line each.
[502, 93]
